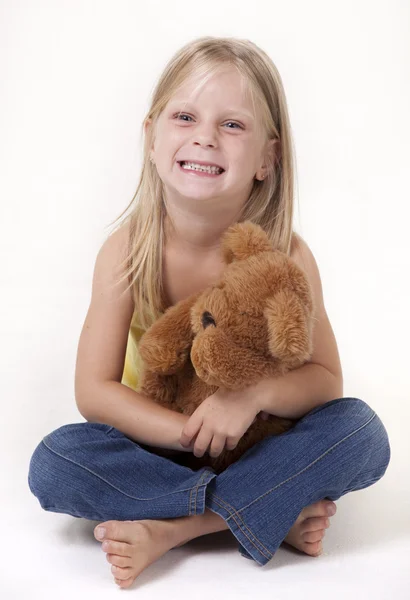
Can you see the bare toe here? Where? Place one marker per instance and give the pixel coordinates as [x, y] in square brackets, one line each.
[121, 573]
[319, 509]
[314, 549]
[313, 536]
[124, 583]
[314, 524]
[118, 548]
[119, 561]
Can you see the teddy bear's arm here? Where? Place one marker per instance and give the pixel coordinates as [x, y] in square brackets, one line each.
[161, 388]
[166, 345]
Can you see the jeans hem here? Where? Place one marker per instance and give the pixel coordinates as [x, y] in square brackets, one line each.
[246, 539]
[196, 500]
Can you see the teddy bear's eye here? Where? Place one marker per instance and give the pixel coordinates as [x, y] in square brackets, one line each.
[207, 319]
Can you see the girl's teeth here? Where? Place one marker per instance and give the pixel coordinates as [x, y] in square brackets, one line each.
[196, 167]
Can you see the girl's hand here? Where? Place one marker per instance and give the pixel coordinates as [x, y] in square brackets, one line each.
[221, 420]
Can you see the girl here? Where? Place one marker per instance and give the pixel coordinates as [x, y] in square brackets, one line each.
[217, 150]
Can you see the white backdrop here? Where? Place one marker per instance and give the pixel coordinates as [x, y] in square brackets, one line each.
[75, 82]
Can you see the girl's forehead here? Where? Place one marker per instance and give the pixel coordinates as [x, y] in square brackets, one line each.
[220, 82]
[228, 93]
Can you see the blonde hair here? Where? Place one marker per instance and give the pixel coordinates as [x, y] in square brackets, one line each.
[270, 203]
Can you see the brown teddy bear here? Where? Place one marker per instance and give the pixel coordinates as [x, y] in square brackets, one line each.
[255, 322]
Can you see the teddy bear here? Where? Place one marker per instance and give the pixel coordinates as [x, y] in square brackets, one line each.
[255, 322]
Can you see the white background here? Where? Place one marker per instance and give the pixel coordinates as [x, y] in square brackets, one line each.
[75, 84]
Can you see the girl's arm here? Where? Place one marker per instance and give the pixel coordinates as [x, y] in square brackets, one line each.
[135, 414]
[320, 379]
[293, 395]
[99, 393]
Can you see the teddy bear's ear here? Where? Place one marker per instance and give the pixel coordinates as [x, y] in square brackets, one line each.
[290, 326]
[242, 240]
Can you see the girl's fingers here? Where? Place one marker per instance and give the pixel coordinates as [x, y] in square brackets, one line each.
[188, 434]
[217, 445]
[202, 442]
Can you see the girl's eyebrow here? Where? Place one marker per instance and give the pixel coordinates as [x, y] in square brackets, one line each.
[235, 111]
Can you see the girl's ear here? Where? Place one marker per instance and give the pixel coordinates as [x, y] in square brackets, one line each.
[273, 155]
[274, 151]
[147, 125]
[277, 148]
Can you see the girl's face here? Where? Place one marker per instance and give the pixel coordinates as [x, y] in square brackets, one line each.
[215, 125]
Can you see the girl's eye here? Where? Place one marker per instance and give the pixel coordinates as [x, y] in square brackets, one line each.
[233, 123]
[189, 117]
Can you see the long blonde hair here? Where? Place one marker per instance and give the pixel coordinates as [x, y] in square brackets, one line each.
[270, 203]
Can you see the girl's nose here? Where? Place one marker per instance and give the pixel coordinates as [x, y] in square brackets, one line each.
[205, 135]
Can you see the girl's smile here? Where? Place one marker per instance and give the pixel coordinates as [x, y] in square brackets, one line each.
[197, 173]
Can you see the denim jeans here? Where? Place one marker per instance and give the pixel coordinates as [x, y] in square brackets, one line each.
[94, 471]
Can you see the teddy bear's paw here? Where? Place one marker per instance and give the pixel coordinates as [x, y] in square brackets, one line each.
[164, 360]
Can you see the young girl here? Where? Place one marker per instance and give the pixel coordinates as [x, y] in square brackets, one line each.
[218, 150]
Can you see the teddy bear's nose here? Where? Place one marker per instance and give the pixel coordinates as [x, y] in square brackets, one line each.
[207, 319]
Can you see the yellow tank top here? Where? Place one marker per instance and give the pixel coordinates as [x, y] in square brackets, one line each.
[133, 362]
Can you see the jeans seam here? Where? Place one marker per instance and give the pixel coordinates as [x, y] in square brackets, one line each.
[235, 512]
[268, 554]
[311, 464]
[113, 486]
[196, 493]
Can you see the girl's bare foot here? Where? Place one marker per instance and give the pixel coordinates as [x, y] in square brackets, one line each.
[133, 545]
[309, 528]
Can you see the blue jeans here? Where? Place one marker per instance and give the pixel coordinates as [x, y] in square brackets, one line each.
[94, 471]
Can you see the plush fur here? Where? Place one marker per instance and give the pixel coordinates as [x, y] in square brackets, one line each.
[255, 322]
